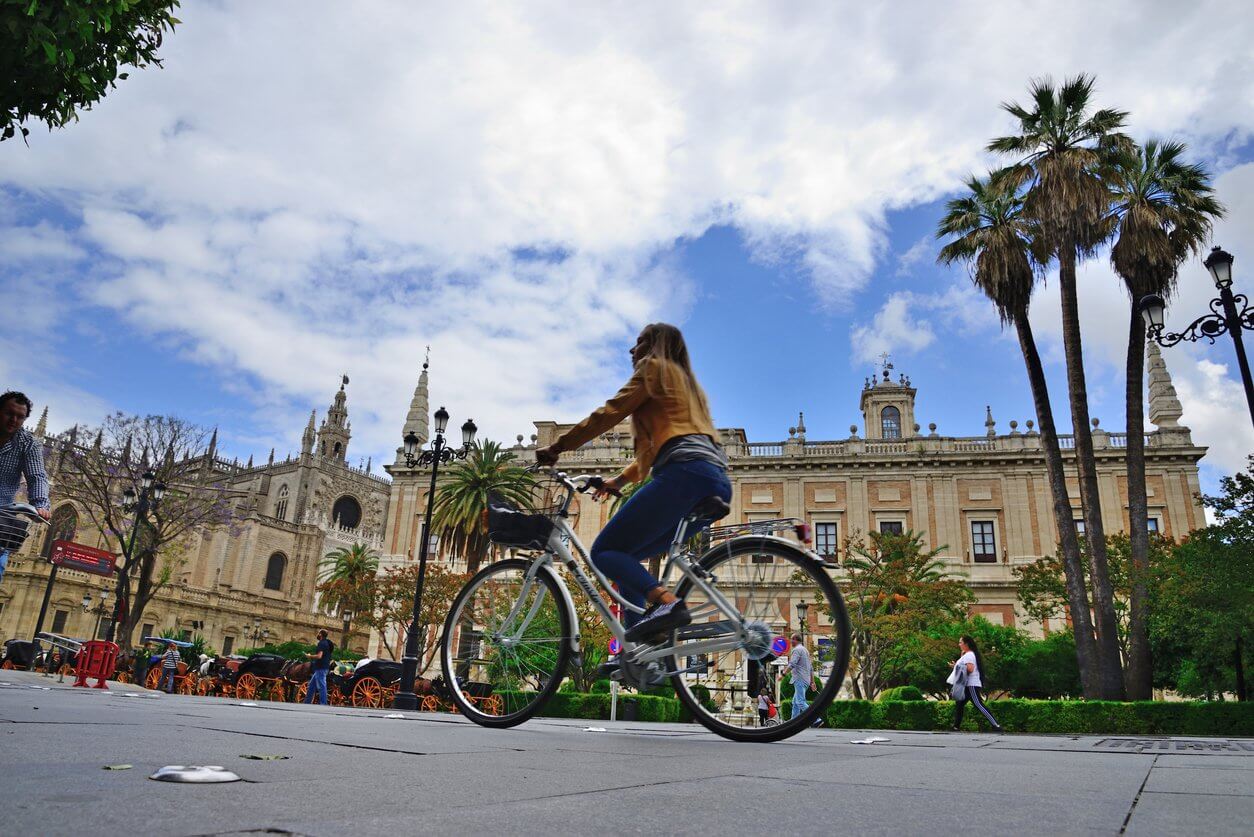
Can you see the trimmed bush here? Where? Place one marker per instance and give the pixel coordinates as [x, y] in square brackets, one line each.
[901, 693]
[1094, 717]
[596, 706]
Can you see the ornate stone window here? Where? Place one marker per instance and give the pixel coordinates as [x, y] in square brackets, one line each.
[890, 423]
[280, 508]
[61, 527]
[346, 512]
[274, 571]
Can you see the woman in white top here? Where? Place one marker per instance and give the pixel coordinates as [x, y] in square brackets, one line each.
[971, 665]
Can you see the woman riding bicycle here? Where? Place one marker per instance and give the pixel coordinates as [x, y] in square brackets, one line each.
[675, 446]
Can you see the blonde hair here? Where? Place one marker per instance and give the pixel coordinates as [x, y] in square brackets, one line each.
[665, 342]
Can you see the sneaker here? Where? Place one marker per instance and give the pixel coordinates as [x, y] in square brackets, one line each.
[817, 724]
[658, 620]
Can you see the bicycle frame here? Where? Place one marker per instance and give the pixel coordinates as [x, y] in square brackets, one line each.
[678, 557]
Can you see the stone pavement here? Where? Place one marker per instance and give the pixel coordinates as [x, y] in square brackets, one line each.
[352, 771]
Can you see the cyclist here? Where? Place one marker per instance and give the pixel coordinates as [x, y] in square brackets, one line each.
[20, 455]
[675, 448]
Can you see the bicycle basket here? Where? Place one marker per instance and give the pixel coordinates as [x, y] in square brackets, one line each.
[524, 526]
[12, 531]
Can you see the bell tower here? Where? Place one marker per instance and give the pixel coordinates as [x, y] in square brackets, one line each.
[336, 429]
[887, 405]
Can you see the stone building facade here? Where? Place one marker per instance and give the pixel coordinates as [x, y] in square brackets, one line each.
[236, 588]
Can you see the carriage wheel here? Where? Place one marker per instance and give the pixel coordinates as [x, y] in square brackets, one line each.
[301, 691]
[65, 668]
[204, 686]
[492, 705]
[153, 680]
[7, 665]
[186, 685]
[430, 703]
[122, 676]
[246, 686]
[368, 692]
[277, 692]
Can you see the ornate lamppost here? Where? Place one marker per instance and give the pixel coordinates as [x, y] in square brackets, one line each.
[259, 635]
[437, 454]
[99, 610]
[348, 622]
[141, 503]
[1225, 316]
[802, 609]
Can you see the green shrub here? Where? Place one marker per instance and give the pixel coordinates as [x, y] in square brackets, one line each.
[601, 686]
[1052, 716]
[901, 693]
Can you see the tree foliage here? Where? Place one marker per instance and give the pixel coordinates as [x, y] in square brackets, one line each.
[346, 579]
[392, 607]
[57, 58]
[152, 545]
[462, 499]
[894, 589]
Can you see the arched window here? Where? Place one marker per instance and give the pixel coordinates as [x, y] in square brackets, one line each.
[337, 448]
[280, 508]
[890, 423]
[61, 527]
[274, 571]
[346, 512]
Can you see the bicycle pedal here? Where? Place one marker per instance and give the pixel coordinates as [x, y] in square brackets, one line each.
[704, 630]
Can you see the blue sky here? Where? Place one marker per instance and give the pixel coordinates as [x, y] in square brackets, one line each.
[222, 238]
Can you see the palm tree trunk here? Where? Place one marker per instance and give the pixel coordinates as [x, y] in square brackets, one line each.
[1068, 543]
[1139, 677]
[1109, 665]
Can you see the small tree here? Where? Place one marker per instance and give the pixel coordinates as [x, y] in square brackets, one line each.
[895, 589]
[392, 607]
[152, 545]
[346, 580]
[59, 58]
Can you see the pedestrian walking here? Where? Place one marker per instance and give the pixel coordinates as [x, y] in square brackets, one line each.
[321, 657]
[801, 668]
[20, 456]
[764, 706]
[966, 681]
[169, 668]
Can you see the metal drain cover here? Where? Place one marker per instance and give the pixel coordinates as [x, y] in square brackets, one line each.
[199, 774]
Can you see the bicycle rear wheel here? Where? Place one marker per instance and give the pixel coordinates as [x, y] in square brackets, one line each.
[765, 578]
[506, 635]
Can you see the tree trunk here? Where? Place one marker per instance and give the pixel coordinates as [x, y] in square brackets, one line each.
[1139, 677]
[1109, 665]
[1068, 543]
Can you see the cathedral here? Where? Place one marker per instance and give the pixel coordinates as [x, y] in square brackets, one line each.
[981, 500]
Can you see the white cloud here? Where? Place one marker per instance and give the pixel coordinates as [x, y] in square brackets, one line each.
[307, 189]
[918, 251]
[893, 329]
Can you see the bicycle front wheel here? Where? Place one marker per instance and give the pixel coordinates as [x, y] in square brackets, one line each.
[766, 579]
[507, 637]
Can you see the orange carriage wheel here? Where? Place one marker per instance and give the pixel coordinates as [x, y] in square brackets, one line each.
[246, 686]
[66, 668]
[122, 676]
[277, 691]
[153, 680]
[186, 685]
[492, 705]
[301, 691]
[430, 703]
[7, 665]
[204, 686]
[368, 692]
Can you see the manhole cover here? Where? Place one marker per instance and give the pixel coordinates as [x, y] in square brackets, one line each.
[1174, 745]
[194, 773]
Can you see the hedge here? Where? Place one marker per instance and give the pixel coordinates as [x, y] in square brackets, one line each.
[596, 706]
[1052, 716]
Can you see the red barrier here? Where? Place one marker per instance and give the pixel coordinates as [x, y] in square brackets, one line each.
[96, 659]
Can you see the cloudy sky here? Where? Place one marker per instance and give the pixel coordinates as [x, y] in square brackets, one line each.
[311, 189]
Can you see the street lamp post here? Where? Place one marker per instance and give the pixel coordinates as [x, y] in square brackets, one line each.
[439, 453]
[146, 500]
[802, 609]
[100, 609]
[1225, 316]
[259, 635]
[348, 621]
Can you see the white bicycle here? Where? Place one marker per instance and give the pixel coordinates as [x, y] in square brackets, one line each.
[512, 629]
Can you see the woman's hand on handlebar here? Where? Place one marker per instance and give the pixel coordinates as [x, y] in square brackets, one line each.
[547, 456]
[604, 488]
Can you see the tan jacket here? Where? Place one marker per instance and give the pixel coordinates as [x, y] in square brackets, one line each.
[662, 406]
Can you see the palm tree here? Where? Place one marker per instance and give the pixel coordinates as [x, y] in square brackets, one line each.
[462, 499]
[345, 579]
[1062, 150]
[991, 235]
[1162, 211]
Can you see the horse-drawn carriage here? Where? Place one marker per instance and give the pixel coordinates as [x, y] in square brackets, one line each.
[438, 697]
[262, 676]
[18, 654]
[372, 684]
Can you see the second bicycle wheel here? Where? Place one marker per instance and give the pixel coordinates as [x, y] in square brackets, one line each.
[506, 635]
[765, 578]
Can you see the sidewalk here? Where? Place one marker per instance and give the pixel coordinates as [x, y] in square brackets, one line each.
[352, 771]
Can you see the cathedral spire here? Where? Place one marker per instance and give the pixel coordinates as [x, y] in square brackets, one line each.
[1164, 406]
[213, 444]
[416, 421]
[335, 431]
[41, 429]
[307, 438]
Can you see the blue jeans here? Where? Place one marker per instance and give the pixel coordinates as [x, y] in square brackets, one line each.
[167, 679]
[799, 703]
[4, 562]
[646, 523]
[317, 683]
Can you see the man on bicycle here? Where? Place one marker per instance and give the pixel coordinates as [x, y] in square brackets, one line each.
[676, 455]
[20, 455]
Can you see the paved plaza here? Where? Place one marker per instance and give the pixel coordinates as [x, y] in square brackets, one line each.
[353, 771]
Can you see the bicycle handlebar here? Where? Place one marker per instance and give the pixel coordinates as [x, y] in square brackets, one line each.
[25, 510]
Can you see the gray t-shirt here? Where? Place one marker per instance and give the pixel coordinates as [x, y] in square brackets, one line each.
[799, 663]
[694, 447]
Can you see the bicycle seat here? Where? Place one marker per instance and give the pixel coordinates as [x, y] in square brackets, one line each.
[710, 509]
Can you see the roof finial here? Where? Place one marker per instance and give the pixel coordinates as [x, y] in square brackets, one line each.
[988, 421]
